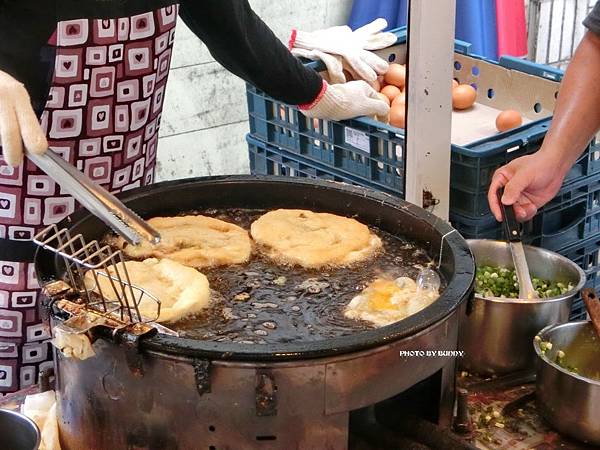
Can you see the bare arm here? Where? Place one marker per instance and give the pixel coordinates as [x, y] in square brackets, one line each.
[531, 181]
[577, 114]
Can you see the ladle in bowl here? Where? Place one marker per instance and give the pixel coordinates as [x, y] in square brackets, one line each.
[513, 236]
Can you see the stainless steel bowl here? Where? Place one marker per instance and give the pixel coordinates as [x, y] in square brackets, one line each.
[495, 333]
[18, 432]
[570, 402]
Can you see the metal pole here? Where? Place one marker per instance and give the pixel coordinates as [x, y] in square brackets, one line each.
[429, 103]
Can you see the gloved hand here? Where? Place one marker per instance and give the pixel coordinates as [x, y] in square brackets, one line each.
[340, 47]
[18, 123]
[345, 101]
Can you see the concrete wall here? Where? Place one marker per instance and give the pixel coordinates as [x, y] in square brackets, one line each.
[205, 117]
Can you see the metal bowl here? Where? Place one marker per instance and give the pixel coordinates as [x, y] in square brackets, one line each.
[495, 332]
[18, 432]
[570, 402]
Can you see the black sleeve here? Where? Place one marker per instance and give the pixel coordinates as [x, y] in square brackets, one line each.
[238, 39]
[25, 28]
[592, 21]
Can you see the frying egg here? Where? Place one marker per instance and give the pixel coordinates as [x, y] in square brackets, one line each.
[396, 75]
[390, 91]
[508, 120]
[463, 96]
[384, 301]
[398, 115]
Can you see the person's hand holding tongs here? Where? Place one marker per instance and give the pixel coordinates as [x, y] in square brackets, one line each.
[19, 127]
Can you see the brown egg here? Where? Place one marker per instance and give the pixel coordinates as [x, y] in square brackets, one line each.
[397, 116]
[454, 84]
[390, 91]
[400, 99]
[463, 96]
[396, 75]
[508, 120]
[383, 97]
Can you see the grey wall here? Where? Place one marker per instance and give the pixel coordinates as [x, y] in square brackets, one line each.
[205, 117]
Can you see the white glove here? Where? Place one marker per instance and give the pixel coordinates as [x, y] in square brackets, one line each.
[345, 101]
[18, 123]
[352, 47]
[333, 63]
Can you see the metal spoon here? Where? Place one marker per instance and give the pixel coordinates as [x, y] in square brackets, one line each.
[513, 235]
[428, 281]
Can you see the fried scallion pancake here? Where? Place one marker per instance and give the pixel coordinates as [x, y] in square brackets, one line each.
[313, 240]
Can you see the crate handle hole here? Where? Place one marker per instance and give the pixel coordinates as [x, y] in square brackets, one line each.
[537, 107]
[512, 149]
[491, 93]
[475, 71]
[211, 428]
[457, 65]
[266, 438]
[392, 57]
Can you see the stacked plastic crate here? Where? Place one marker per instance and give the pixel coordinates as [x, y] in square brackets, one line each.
[365, 152]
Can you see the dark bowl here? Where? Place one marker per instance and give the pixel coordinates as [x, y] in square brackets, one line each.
[18, 432]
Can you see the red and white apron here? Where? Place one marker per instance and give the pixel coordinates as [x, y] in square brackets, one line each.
[102, 115]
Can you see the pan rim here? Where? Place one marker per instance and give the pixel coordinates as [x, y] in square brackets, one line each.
[459, 286]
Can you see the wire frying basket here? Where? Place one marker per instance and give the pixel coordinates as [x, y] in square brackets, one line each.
[96, 289]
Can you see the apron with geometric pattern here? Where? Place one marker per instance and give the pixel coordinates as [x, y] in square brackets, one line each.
[102, 115]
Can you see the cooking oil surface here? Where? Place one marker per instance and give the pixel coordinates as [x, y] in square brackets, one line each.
[261, 302]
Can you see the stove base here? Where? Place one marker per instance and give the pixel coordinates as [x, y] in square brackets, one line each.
[180, 403]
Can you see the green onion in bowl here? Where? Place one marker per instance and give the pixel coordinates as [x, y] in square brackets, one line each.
[502, 282]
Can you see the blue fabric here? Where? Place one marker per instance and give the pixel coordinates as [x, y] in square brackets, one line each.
[476, 24]
[475, 20]
[365, 11]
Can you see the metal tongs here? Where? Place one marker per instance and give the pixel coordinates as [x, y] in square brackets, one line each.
[513, 235]
[96, 199]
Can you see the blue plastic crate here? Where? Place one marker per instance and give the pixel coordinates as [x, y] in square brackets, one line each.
[586, 254]
[357, 148]
[573, 215]
[266, 159]
[470, 176]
